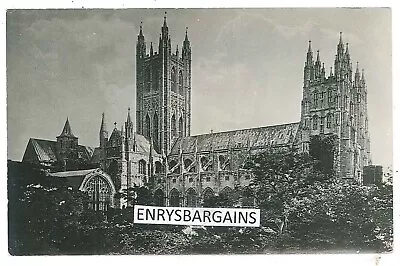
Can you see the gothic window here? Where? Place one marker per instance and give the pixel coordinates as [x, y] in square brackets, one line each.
[147, 127]
[322, 99]
[321, 126]
[180, 127]
[176, 169]
[173, 126]
[173, 79]
[345, 101]
[158, 167]
[99, 193]
[159, 197]
[147, 79]
[156, 133]
[155, 80]
[206, 164]
[180, 83]
[329, 120]
[330, 97]
[174, 198]
[208, 194]
[191, 198]
[188, 163]
[315, 100]
[315, 122]
[337, 119]
[142, 167]
[361, 120]
[351, 108]
[337, 101]
[226, 193]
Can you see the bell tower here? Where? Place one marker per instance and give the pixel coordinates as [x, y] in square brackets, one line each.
[163, 90]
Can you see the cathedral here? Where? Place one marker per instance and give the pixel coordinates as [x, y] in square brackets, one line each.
[183, 169]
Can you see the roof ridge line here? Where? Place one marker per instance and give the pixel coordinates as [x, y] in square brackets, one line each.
[243, 129]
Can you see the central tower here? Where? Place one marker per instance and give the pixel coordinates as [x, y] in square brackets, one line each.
[163, 90]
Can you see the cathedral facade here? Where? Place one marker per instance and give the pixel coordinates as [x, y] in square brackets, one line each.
[182, 169]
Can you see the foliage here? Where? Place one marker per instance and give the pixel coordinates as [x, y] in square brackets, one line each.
[302, 207]
[323, 150]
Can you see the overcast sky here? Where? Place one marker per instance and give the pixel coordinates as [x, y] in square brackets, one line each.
[247, 67]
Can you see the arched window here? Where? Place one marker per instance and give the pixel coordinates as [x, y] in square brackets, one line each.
[361, 120]
[330, 98]
[180, 127]
[315, 100]
[223, 162]
[147, 79]
[206, 164]
[322, 124]
[172, 166]
[226, 191]
[337, 119]
[191, 198]
[99, 193]
[315, 122]
[173, 126]
[155, 80]
[329, 120]
[188, 163]
[142, 167]
[174, 198]
[226, 196]
[159, 197]
[207, 195]
[351, 108]
[158, 167]
[180, 83]
[156, 133]
[147, 127]
[173, 79]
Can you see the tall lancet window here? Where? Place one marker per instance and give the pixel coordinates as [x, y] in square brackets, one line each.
[147, 127]
[155, 133]
[173, 79]
[315, 122]
[173, 126]
[180, 127]
[147, 80]
[155, 80]
[180, 83]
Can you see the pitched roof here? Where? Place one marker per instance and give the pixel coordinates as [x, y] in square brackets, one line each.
[67, 132]
[73, 178]
[43, 150]
[143, 145]
[277, 135]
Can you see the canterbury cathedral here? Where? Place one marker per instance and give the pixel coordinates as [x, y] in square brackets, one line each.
[183, 169]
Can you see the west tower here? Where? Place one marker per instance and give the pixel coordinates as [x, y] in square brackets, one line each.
[337, 104]
[163, 90]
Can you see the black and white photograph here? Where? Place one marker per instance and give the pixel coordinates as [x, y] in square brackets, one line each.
[186, 131]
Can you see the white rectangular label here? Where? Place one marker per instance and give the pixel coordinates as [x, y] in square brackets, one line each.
[196, 216]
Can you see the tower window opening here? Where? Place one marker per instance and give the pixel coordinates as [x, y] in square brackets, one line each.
[180, 83]
[173, 79]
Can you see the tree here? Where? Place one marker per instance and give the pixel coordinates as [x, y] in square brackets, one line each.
[280, 179]
[41, 210]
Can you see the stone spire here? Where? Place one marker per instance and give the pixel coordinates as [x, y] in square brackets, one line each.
[67, 132]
